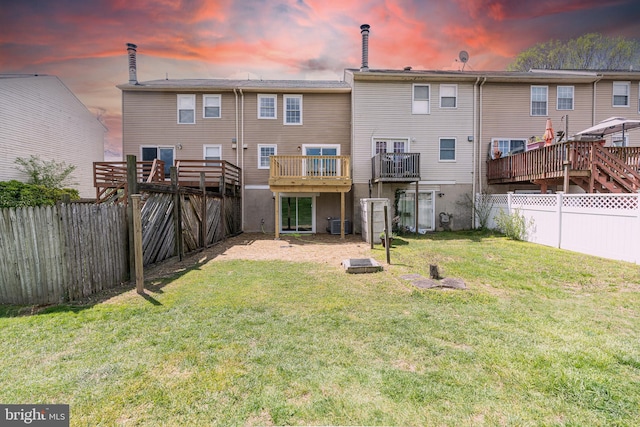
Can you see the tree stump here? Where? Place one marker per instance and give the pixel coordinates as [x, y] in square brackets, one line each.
[433, 272]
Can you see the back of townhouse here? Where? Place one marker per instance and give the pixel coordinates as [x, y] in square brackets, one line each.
[516, 106]
[244, 122]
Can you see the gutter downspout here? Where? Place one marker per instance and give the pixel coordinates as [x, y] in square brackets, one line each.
[237, 154]
[241, 147]
[473, 170]
[480, 137]
[593, 102]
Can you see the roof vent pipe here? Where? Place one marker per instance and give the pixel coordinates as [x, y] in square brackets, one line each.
[131, 51]
[364, 30]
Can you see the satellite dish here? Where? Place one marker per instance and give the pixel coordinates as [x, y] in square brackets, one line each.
[464, 56]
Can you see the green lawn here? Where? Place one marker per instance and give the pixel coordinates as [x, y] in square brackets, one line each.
[540, 337]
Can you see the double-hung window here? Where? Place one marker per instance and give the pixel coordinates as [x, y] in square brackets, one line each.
[539, 100]
[212, 152]
[264, 155]
[267, 107]
[447, 149]
[565, 98]
[186, 109]
[621, 91]
[211, 106]
[292, 105]
[420, 104]
[448, 96]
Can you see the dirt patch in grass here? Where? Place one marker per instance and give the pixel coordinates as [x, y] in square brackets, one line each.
[319, 248]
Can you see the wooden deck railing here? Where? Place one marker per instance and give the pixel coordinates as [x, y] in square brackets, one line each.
[549, 162]
[309, 170]
[397, 167]
[217, 173]
[110, 178]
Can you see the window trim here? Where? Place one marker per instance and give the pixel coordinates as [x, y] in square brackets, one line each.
[455, 149]
[284, 110]
[546, 110]
[573, 98]
[413, 99]
[455, 96]
[204, 151]
[275, 153]
[192, 97]
[626, 84]
[204, 105]
[275, 106]
[376, 139]
[504, 139]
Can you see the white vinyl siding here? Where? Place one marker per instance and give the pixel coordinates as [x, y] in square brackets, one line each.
[621, 91]
[211, 106]
[421, 94]
[186, 109]
[292, 109]
[267, 106]
[447, 149]
[40, 116]
[565, 98]
[448, 96]
[264, 154]
[539, 100]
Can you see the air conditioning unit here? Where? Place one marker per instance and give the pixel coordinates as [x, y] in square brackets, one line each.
[334, 226]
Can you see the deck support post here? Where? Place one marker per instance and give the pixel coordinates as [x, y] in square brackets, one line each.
[342, 215]
[416, 205]
[277, 214]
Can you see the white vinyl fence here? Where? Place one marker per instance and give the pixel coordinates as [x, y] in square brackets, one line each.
[605, 225]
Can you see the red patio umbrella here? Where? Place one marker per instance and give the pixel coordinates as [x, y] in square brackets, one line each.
[548, 133]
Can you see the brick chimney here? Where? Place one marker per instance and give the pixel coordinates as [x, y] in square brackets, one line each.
[364, 30]
[131, 51]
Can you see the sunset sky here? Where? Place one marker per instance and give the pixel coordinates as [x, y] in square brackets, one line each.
[83, 41]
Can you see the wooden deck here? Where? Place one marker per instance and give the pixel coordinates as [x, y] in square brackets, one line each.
[111, 178]
[591, 166]
[310, 174]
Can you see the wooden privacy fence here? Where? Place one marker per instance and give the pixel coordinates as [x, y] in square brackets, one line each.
[58, 253]
[178, 220]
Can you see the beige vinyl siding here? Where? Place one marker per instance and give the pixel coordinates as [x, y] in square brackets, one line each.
[325, 118]
[506, 113]
[605, 108]
[40, 116]
[150, 118]
[383, 110]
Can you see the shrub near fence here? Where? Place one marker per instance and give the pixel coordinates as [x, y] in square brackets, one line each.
[58, 253]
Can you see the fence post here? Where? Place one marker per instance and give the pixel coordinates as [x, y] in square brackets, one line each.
[386, 233]
[203, 213]
[637, 240]
[177, 214]
[131, 188]
[559, 213]
[509, 201]
[137, 239]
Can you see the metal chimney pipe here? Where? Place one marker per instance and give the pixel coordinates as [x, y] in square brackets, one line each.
[364, 30]
[131, 51]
